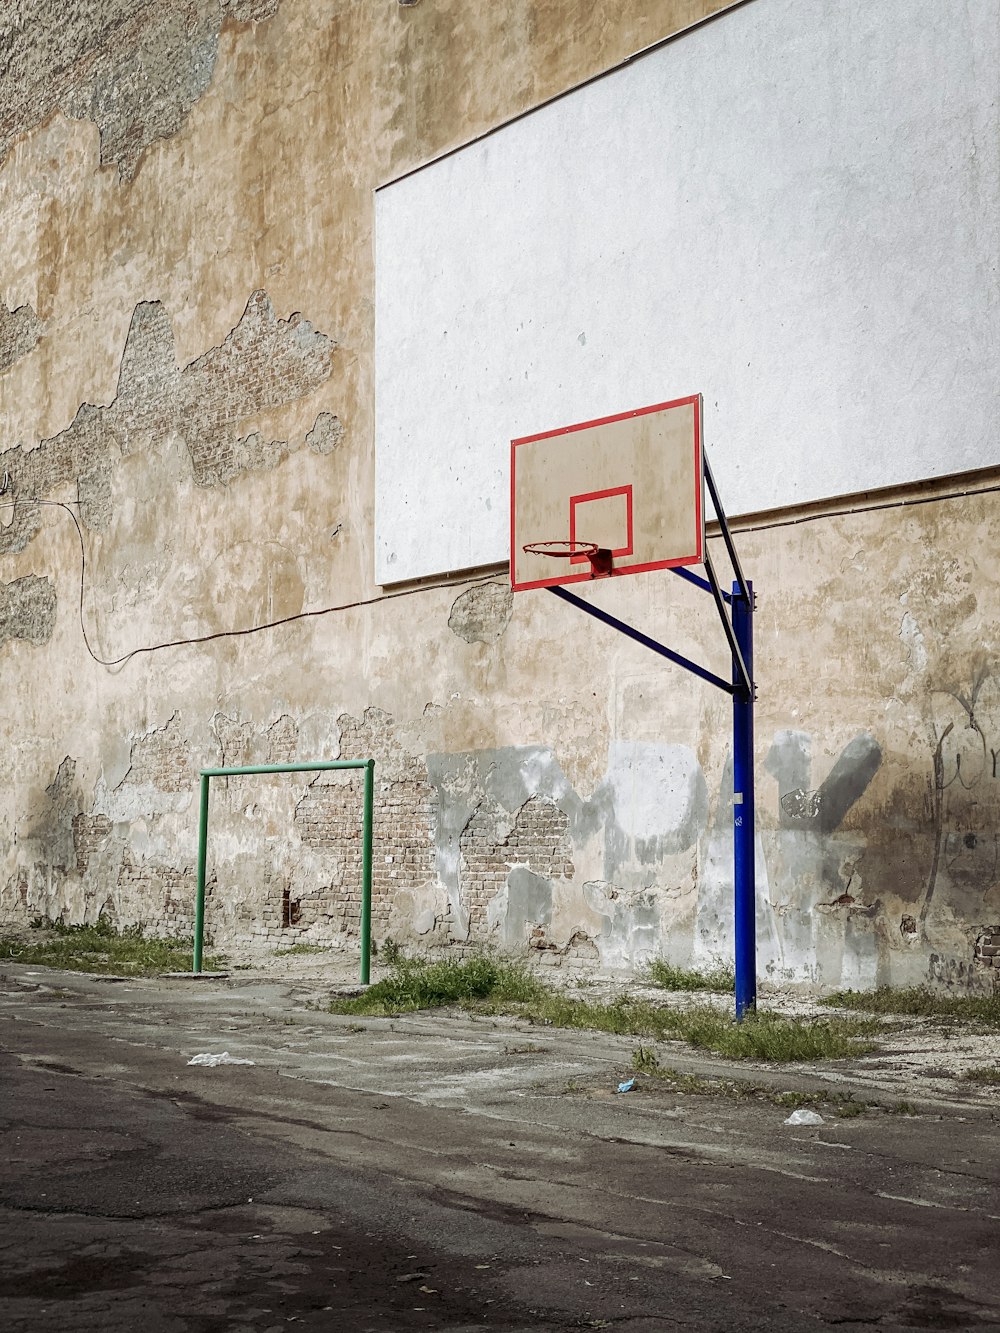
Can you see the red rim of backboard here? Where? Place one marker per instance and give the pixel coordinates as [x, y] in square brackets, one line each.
[696, 558]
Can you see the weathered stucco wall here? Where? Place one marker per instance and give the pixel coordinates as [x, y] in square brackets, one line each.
[186, 363]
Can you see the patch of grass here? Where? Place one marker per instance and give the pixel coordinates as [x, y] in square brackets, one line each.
[303, 947]
[416, 984]
[921, 1002]
[759, 1037]
[850, 1107]
[491, 985]
[100, 948]
[720, 979]
[983, 1074]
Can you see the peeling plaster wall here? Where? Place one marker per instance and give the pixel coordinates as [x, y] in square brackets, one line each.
[186, 361]
[134, 69]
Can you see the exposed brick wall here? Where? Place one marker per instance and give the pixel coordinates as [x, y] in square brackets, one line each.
[330, 817]
[89, 831]
[265, 362]
[538, 838]
[282, 740]
[162, 759]
[161, 897]
[987, 950]
[134, 67]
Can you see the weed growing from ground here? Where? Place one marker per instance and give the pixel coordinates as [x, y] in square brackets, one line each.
[302, 948]
[921, 1002]
[415, 984]
[983, 1074]
[845, 1105]
[491, 985]
[99, 948]
[720, 979]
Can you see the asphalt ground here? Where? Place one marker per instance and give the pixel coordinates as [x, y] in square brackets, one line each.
[440, 1171]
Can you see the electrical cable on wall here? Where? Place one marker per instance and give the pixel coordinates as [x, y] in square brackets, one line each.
[67, 507]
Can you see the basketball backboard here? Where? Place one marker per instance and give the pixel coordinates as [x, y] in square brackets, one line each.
[619, 495]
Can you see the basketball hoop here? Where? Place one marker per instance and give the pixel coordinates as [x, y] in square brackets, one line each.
[599, 556]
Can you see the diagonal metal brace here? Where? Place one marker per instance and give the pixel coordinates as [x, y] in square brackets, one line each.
[698, 581]
[646, 641]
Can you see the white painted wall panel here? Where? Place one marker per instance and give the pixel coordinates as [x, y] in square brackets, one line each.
[793, 209]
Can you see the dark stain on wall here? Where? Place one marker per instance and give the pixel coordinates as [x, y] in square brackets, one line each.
[52, 828]
[20, 330]
[27, 609]
[133, 67]
[265, 362]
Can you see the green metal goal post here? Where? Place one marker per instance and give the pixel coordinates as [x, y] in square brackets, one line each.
[366, 853]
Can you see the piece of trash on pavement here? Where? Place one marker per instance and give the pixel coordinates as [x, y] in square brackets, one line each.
[627, 1086]
[804, 1118]
[224, 1059]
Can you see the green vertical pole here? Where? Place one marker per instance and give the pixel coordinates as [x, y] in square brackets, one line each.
[366, 874]
[199, 907]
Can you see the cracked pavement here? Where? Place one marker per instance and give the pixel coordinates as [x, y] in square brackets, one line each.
[443, 1171]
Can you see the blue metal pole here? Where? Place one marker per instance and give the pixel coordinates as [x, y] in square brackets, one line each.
[744, 821]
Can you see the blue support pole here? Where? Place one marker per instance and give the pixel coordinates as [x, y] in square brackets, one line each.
[744, 821]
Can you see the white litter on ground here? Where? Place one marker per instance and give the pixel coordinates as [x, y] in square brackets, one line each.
[804, 1118]
[224, 1059]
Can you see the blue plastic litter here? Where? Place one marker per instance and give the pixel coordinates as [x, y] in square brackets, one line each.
[627, 1087]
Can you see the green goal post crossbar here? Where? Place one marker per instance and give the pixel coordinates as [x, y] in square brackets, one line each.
[366, 854]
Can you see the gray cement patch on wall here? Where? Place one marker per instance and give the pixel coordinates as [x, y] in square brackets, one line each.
[482, 613]
[20, 330]
[652, 805]
[27, 609]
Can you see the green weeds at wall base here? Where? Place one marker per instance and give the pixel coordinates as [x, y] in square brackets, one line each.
[494, 986]
[721, 980]
[98, 948]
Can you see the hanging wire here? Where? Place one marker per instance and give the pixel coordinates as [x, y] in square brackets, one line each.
[67, 508]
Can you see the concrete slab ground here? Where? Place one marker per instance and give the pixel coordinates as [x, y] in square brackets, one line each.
[443, 1171]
